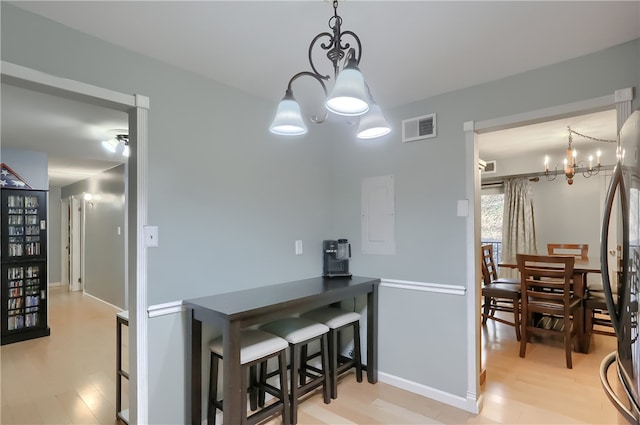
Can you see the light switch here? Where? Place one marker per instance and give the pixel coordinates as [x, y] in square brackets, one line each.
[151, 236]
[298, 247]
[463, 207]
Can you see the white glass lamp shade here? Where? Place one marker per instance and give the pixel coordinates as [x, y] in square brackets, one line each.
[110, 145]
[372, 124]
[288, 120]
[349, 95]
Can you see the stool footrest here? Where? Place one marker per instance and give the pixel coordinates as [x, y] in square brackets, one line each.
[263, 414]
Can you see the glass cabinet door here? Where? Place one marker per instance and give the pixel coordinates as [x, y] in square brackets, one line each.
[24, 224]
[24, 292]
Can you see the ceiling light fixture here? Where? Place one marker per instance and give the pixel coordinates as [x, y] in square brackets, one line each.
[350, 96]
[571, 166]
[119, 144]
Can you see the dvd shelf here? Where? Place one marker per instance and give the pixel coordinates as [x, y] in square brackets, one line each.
[24, 265]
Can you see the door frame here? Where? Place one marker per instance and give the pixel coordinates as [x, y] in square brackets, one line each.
[76, 245]
[137, 108]
[472, 130]
[65, 247]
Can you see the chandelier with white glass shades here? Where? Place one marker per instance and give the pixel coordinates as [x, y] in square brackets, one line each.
[350, 96]
[119, 144]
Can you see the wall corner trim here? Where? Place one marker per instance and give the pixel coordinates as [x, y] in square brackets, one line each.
[142, 101]
[469, 125]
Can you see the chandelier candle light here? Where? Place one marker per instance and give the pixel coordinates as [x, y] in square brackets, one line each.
[571, 165]
[350, 96]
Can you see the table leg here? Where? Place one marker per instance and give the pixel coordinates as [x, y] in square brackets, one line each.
[118, 365]
[193, 400]
[372, 335]
[232, 375]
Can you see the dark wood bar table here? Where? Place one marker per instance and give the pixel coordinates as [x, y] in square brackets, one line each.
[233, 311]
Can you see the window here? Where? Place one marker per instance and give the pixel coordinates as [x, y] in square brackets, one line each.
[491, 208]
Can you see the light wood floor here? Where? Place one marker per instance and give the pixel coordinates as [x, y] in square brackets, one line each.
[69, 378]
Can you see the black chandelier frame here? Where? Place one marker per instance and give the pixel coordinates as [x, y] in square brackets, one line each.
[336, 49]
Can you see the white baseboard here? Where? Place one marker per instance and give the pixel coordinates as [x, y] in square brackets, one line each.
[101, 300]
[470, 404]
[52, 284]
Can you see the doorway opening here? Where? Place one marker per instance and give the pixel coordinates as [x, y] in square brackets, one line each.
[136, 107]
[473, 134]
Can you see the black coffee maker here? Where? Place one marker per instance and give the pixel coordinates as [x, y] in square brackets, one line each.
[336, 256]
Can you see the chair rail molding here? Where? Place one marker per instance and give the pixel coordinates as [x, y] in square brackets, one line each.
[423, 286]
[165, 309]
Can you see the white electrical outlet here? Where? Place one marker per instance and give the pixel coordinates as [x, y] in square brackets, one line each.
[298, 247]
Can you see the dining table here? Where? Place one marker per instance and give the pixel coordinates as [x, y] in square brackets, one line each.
[581, 270]
[233, 311]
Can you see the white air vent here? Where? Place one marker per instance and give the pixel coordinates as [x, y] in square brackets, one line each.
[489, 168]
[419, 128]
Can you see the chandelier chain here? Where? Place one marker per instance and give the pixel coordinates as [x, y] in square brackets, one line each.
[592, 138]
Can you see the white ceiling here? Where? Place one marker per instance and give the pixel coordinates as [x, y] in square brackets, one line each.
[412, 50]
[550, 137]
[69, 132]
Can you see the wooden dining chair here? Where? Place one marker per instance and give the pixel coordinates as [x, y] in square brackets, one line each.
[499, 294]
[578, 250]
[581, 253]
[547, 297]
[596, 314]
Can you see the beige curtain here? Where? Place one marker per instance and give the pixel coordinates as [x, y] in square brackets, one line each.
[518, 227]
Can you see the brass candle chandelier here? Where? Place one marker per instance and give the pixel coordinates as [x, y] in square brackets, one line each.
[350, 96]
[571, 164]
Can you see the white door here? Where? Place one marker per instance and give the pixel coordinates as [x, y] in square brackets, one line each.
[65, 245]
[75, 249]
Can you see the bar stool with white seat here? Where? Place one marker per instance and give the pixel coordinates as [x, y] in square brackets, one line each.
[299, 332]
[338, 320]
[255, 347]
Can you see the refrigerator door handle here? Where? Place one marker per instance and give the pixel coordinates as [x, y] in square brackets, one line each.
[613, 397]
[617, 182]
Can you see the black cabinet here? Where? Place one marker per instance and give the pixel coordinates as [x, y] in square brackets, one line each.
[24, 265]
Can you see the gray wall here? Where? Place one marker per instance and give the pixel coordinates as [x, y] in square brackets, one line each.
[55, 243]
[230, 198]
[569, 214]
[104, 272]
[430, 178]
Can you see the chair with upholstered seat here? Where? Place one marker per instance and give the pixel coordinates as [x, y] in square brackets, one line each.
[548, 304]
[338, 320]
[499, 294]
[256, 347]
[299, 332]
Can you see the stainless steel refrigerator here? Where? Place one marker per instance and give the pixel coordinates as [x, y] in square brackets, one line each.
[622, 383]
